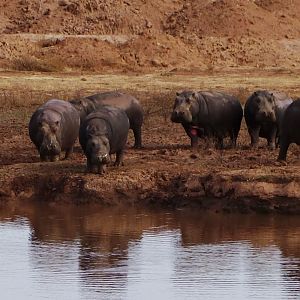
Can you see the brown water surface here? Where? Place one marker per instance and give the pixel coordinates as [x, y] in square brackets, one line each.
[87, 252]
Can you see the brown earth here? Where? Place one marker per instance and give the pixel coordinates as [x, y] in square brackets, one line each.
[143, 36]
[166, 172]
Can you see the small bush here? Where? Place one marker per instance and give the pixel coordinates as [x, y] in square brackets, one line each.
[34, 64]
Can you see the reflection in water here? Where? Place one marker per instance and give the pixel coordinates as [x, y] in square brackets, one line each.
[59, 252]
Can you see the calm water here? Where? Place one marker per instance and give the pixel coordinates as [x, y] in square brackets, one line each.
[69, 252]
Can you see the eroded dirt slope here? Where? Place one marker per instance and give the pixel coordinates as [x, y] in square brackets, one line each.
[148, 35]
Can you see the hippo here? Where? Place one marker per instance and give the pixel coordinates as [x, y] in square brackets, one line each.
[208, 114]
[54, 128]
[289, 128]
[128, 103]
[102, 133]
[263, 113]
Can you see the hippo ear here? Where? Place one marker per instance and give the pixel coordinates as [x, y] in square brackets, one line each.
[195, 95]
[82, 103]
[273, 97]
[177, 93]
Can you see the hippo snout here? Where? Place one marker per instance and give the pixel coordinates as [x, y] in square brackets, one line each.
[266, 115]
[177, 116]
[51, 148]
[103, 158]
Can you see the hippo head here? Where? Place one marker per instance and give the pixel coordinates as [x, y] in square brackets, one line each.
[265, 106]
[98, 147]
[184, 105]
[49, 135]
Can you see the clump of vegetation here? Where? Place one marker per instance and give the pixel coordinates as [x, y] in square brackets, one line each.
[24, 98]
[33, 64]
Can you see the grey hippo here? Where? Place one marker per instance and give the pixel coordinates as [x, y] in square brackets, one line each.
[290, 128]
[263, 114]
[208, 114]
[54, 128]
[101, 134]
[128, 103]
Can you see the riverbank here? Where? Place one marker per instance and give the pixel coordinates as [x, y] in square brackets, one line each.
[166, 172]
[274, 189]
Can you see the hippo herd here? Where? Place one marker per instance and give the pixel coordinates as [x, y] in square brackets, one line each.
[102, 122]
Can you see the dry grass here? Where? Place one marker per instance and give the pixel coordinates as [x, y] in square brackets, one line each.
[36, 65]
[156, 92]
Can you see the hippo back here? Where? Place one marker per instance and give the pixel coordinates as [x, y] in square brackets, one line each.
[112, 122]
[219, 111]
[123, 101]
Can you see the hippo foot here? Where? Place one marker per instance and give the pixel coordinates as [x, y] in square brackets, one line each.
[280, 162]
[118, 163]
[101, 169]
[54, 158]
[271, 147]
[45, 159]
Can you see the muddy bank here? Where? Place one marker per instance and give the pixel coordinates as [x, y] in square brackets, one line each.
[271, 190]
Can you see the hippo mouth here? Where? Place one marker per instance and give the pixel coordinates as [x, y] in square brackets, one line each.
[266, 117]
[101, 159]
[176, 119]
[49, 150]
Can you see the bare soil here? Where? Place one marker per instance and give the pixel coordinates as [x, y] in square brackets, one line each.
[143, 36]
[166, 172]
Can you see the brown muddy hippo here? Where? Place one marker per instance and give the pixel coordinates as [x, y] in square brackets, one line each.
[53, 128]
[208, 114]
[263, 114]
[128, 103]
[101, 134]
[289, 128]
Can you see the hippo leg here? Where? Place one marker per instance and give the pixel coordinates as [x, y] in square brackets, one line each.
[271, 139]
[192, 134]
[137, 131]
[89, 166]
[219, 143]
[101, 169]
[284, 145]
[194, 141]
[233, 138]
[119, 158]
[254, 135]
[68, 153]
[54, 158]
[44, 158]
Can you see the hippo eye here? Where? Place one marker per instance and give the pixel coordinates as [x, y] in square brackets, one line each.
[57, 123]
[188, 101]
